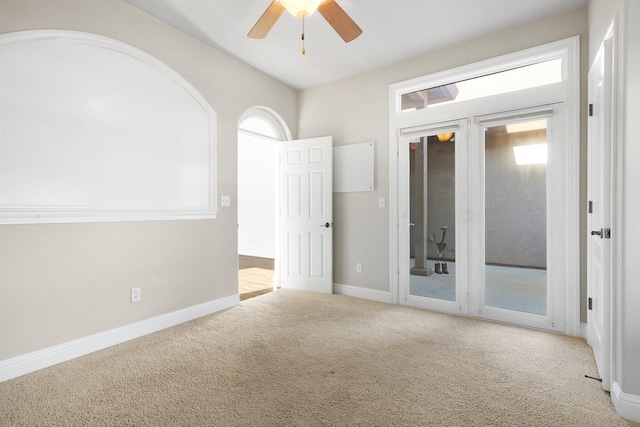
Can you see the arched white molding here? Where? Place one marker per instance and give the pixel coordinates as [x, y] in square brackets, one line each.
[96, 130]
[280, 128]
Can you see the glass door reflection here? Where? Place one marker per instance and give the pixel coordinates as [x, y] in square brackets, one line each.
[516, 217]
[432, 217]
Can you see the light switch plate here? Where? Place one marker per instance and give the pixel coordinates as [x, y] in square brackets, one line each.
[382, 202]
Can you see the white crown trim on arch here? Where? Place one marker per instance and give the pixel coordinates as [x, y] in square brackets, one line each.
[269, 116]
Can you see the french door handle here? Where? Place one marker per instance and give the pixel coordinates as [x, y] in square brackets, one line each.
[598, 233]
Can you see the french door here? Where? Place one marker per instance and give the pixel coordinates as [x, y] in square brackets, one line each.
[433, 249]
[480, 210]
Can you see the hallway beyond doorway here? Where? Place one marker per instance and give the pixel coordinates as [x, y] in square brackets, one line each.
[255, 276]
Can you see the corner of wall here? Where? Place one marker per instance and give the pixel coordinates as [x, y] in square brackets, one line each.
[627, 405]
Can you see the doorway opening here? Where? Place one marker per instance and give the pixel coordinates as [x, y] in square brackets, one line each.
[260, 130]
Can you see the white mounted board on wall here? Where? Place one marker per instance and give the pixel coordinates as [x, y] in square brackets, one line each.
[92, 129]
[353, 167]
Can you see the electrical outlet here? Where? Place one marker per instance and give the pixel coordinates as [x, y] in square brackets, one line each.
[225, 200]
[135, 294]
[359, 268]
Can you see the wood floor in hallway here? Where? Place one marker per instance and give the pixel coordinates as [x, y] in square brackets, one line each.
[255, 276]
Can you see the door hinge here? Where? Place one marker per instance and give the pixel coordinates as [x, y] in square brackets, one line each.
[590, 207]
[607, 233]
[590, 303]
[590, 110]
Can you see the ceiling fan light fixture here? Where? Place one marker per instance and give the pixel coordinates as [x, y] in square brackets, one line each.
[301, 8]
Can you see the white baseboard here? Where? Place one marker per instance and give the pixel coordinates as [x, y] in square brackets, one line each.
[30, 362]
[584, 331]
[364, 293]
[627, 405]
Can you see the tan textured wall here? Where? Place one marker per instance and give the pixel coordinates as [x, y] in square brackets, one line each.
[60, 282]
[516, 203]
[356, 109]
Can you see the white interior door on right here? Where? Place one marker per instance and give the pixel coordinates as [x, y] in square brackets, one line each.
[599, 211]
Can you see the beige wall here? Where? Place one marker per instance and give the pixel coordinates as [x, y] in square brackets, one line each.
[357, 109]
[59, 282]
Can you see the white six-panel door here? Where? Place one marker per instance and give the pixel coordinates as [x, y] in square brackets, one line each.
[599, 218]
[306, 215]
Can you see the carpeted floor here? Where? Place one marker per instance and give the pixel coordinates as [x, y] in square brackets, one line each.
[300, 359]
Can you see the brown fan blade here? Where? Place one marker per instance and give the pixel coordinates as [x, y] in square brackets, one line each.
[267, 21]
[339, 20]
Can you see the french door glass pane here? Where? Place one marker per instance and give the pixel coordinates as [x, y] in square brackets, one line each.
[432, 217]
[515, 217]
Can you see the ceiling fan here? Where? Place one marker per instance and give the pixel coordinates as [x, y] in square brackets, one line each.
[329, 9]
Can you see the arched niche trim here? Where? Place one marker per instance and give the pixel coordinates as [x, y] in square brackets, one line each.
[92, 129]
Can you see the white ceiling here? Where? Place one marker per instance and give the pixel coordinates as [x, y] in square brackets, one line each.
[392, 31]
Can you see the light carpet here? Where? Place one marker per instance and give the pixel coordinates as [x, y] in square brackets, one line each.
[300, 359]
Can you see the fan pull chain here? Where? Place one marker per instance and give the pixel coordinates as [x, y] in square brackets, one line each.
[303, 49]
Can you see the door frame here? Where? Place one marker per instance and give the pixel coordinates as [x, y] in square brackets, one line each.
[282, 133]
[566, 92]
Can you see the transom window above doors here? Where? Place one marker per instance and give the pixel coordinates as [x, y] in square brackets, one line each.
[524, 77]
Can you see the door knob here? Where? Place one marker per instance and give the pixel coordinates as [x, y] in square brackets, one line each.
[597, 233]
[327, 225]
